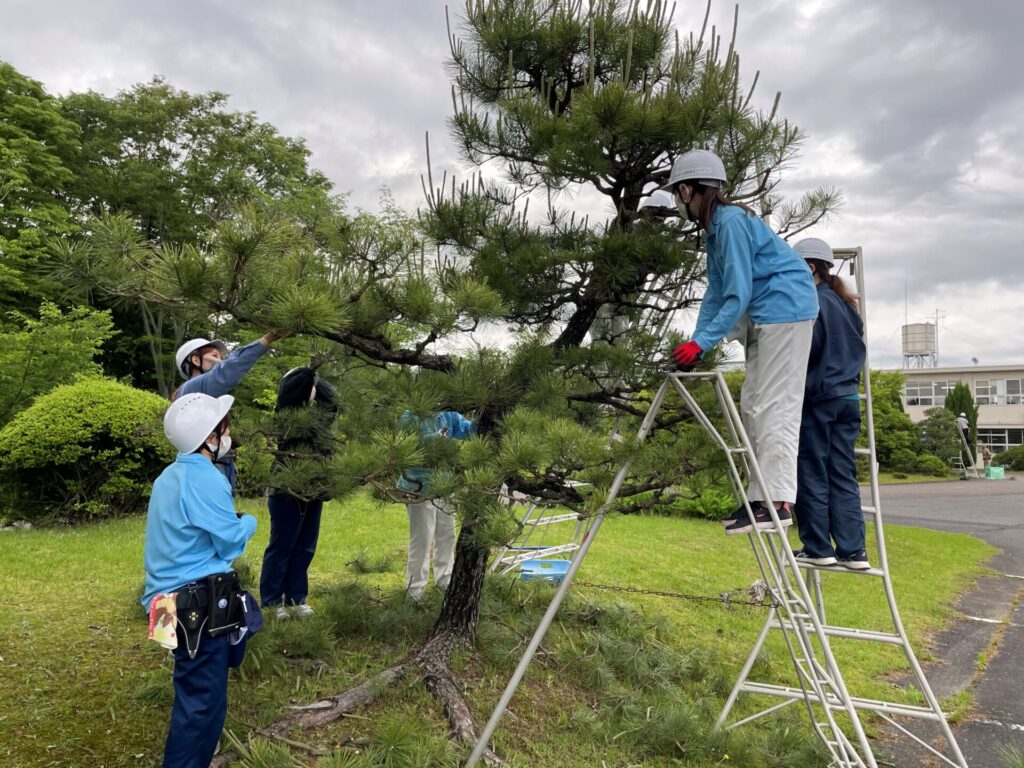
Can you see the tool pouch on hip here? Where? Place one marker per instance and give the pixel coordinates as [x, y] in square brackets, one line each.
[225, 603]
[193, 615]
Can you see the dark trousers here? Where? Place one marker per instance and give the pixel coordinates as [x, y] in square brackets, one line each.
[294, 530]
[828, 507]
[200, 704]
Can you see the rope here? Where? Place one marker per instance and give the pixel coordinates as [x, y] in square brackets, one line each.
[759, 590]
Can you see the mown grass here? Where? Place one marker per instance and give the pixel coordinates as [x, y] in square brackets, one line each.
[82, 686]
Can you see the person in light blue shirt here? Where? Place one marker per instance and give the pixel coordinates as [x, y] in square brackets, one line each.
[193, 531]
[208, 369]
[431, 520]
[754, 280]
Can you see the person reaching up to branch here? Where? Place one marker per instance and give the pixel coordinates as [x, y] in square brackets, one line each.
[208, 369]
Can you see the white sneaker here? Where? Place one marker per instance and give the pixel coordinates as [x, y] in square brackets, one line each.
[281, 613]
[303, 611]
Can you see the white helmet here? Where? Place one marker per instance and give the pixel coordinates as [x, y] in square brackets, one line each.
[963, 415]
[191, 418]
[659, 198]
[185, 351]
[815, 248]
[699, 165]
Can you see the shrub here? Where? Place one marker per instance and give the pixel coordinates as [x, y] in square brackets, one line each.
[1012, 459]
[929, 464]
[83, 451]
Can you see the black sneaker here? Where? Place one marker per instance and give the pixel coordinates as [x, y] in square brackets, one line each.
[803, 557]
[858, 561]
[740, 513]
[762, 519]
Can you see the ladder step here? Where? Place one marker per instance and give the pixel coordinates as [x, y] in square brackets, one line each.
[868, 511]
[854, 633]
[833, 702]
[861, 451]
[840, 569]
[552, 519]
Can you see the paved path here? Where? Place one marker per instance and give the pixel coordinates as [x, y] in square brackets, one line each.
[993, 511]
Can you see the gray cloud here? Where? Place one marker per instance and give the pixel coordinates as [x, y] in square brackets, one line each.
[915, 109]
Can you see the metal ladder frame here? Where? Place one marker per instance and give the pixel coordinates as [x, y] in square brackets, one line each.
[538, 515]
[886, 710]
[973, 465]
[795, 611]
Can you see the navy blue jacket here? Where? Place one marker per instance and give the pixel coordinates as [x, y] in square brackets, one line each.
[837, 349]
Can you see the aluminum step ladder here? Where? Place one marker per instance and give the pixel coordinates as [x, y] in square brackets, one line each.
[796, 609]
[972, 465]
[530, 543]
[887, 711]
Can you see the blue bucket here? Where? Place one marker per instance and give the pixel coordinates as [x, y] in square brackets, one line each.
[549, 570]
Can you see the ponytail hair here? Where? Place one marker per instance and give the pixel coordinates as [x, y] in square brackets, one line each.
[821, 269]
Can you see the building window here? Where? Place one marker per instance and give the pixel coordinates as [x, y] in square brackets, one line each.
[981, 392]
[919, 393]
[1013, 392]
[993, 438]
[1001, 439]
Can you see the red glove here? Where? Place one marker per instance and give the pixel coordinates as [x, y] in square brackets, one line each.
[687, 354]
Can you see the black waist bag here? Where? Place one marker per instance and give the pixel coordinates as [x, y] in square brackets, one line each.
[225, 605]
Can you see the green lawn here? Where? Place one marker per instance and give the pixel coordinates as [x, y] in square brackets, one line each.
[83, 687]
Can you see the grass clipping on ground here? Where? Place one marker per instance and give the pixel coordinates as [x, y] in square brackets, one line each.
[615, 683]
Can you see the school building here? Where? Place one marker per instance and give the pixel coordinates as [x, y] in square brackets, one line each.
[998, 391]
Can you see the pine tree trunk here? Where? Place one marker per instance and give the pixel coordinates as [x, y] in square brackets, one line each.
[461, 607]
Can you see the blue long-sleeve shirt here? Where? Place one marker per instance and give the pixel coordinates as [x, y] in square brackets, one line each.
[450, 424]
[837, 349]
[220, 380]
[191, 527]
[751, 271]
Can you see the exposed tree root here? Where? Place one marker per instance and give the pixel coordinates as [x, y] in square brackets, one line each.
[333, 707]
[432, 664]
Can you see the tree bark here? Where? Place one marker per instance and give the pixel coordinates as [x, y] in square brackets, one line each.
[461, 606]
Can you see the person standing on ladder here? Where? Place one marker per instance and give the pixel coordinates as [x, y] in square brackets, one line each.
[828, 507]
[752, 271]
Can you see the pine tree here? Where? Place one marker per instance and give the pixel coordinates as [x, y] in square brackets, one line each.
[960, 400]
[570, 102]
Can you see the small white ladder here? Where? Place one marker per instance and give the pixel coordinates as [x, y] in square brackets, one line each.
[524, 547]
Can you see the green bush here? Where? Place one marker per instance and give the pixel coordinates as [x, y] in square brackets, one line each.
[1012, 459]
[82, 452]
[929, 464]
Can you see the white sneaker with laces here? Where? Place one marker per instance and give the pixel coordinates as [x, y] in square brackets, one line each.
[281, 613]
[303, 611]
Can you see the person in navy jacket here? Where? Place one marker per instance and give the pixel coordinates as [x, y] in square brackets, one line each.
[828, 507]
[758, 286]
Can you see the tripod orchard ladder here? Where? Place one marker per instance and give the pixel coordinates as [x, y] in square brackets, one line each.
[795, 611]
[972, 464]
[837, 698]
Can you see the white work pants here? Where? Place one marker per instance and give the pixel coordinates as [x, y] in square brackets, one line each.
[772, 401]
[430, 522]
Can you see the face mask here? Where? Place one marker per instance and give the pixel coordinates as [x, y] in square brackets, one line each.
[221, 450]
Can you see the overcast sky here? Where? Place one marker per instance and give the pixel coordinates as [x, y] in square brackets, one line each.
[915, 109]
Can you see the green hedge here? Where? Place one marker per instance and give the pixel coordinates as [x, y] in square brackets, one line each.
[81, 452]
[1012, 459]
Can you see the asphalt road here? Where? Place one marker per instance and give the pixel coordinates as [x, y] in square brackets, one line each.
[992, 619]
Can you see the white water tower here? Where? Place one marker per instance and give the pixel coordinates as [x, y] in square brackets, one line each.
[920, 345]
